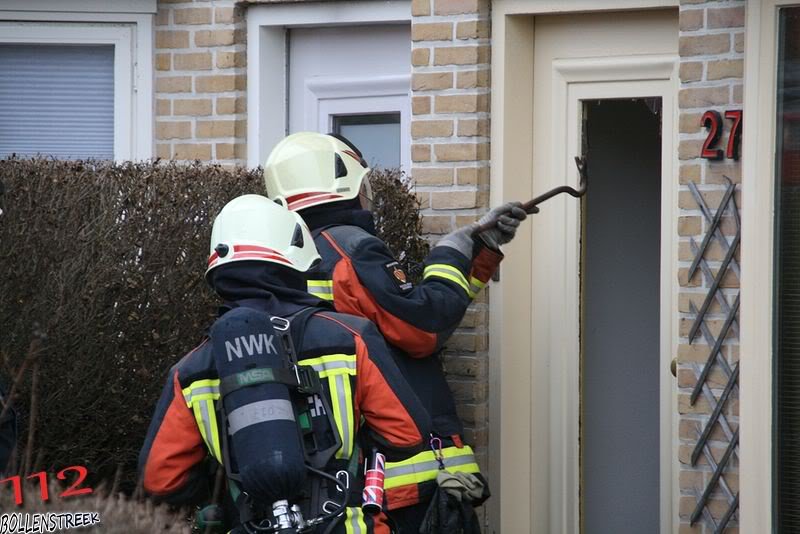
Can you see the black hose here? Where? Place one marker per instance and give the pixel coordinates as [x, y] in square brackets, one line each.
[332, 515]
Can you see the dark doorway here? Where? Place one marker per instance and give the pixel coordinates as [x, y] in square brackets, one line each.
[620, 438]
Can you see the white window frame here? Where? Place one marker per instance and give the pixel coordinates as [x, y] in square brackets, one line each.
[267, 76]
[758, 259]
[125, 24]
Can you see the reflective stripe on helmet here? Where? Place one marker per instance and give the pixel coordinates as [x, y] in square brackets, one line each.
[424, 467]
[338, 368]
[304, 200]
[448, 272]
[321, 288]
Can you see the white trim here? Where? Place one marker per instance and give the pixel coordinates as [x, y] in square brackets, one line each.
[267, 100]
[757, 283]
[132, 37]
[325, 96]
[524, 500]
[81, 6]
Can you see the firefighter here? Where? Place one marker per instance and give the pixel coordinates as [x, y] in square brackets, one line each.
[8, 432]
[229, 400]
[322, 177]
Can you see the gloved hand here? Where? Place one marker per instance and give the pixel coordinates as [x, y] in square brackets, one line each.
[507, 219]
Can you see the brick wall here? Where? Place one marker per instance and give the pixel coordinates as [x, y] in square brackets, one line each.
[450, 155]
[200, 81]
[711, 70]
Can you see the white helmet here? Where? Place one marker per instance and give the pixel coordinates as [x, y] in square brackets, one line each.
[308, 169]
[252, 227]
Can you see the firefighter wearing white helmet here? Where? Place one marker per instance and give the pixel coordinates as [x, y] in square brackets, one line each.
[320, 176]
[252, 227]
[308, 169]
[257, 397]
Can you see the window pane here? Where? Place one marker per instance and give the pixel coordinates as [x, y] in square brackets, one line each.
[376, 135]
[787, 250]
[57, 101]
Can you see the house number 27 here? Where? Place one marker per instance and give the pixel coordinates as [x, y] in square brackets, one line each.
[713, 121]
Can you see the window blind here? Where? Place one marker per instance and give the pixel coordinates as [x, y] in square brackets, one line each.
[57, 100]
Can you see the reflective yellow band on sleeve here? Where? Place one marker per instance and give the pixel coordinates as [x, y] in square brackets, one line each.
[201, 390]
[354, 521]
[475, 286]
[321, 288]
[424, 467]
[448, 272]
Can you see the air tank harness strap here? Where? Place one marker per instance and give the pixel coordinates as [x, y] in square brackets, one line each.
[304, 379]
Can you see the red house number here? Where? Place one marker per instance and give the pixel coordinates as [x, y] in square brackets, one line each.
[713, 121]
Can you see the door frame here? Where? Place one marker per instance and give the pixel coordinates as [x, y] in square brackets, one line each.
[541, 494]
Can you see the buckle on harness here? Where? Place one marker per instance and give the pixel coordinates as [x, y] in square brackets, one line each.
[307, 380]
[279, 323]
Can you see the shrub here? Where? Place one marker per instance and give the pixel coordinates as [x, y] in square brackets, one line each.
[101, 267]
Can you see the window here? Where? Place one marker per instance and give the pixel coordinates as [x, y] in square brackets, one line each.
[376, 135]
[76, 83]
[57, 101]
[787, 264]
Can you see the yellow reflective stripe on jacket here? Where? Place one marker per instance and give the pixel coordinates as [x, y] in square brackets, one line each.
[448, 272]
[354, 521]
[475, 286]
[338, 368]
[424, 467]
[320, 288]
[200, 397]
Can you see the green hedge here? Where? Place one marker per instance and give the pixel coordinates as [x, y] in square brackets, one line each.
[102, 265]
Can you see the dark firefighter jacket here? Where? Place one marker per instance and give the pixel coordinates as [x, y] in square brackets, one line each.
[360, 276]
[359, 376]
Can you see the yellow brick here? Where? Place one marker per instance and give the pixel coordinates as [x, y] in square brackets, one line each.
[420, 8]
[193, 15]
[220, 82]
[690, 122]
[221, 128]
[727, 17]
[473, 127]
[691, 71]
[473, 78]
[461, 103]
[174, 84]
[420, 57]
[163, 107]
[458, 7]
[420, 152]
[472, 29]
[444, 200]
[189, 151]
[726, 68]
[704, 44]
[172, 39]
[429, 81]
[193, 61]
[227, 60]
[689, 173]
[230, 150]
[163, 151]
[163, 61]
[420, 105]
[431, 128]
[461, 55]
[162, 19]
[436, 225]
[690, 149]
[472, 176]
[224, 15]
[214, 37]
[462, 151]
[173, 130]
[738, 94]
[433, 176]
[228, 105]
[691, 19]
[703, 97]
[738, 42]
[194, 107]
[716, 173]
[434, 31]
